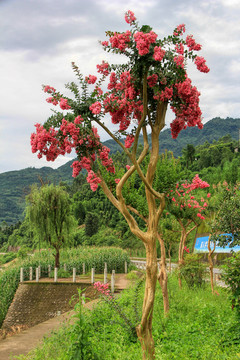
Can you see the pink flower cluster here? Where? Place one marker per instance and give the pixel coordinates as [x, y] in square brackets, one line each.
[130, 17]
[120, 40]
[152, 80]
[102, 288]
[180, 29]
[49, 89]
[191, 43]
[143, 42]
[93, 180]
[159, 53]
[183, 200]
[179, 48]
[64, 104]
[72, 135]
[165, 95]
[186, 249]
[201, 64]
[96, 108]
[122, 101]
[179, 60]
[188, 112]
[129, 141]
[45, 143]
[91, 79]
[103, 68]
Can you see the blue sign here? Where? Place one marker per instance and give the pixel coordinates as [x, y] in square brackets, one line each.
[201, 245]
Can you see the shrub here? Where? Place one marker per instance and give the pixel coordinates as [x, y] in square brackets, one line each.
[231, 276]
[193, 270]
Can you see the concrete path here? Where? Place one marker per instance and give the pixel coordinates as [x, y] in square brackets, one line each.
[28, 339]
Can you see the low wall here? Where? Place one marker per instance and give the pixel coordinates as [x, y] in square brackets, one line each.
[34, 303]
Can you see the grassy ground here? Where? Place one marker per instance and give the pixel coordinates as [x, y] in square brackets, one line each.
[200, 326]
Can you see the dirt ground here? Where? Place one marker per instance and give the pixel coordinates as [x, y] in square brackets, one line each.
[27, 339]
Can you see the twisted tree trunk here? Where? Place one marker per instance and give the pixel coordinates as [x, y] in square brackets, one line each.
[144, 329]
[163, 277]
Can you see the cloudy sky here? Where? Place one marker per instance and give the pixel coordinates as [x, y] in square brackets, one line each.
[40, 38]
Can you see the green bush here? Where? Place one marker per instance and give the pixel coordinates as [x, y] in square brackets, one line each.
[192, 270]
[231, 276]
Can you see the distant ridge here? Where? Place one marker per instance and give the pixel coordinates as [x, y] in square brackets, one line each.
[15, 185]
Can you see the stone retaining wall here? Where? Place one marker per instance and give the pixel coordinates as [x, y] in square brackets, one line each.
[37, 302]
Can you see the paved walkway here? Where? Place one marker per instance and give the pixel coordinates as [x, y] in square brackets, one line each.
[28, 339]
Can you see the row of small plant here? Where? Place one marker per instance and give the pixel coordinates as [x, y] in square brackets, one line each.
[91, 256]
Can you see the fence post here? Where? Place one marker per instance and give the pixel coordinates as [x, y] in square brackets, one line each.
[105, 275]
[30, 273]
[37, 274]
[21, 275]
[74, 275]
[84, 270]
[65, 267]
[49, 270]
[39, 271]
[125, 266]
[112, 281]
[55, 274]
[92, 275]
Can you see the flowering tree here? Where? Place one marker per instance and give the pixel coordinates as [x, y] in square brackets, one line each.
[188, 210]
[152, 76]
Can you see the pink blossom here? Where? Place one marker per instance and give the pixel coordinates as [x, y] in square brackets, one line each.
[208, 195]
[129, 141]
[96, 108]
[49, 89]
[120, 40]
[158, 53]
[64, 104]
[180, 29]
[90, 79]
[186, 249]
[179, 61]
[192, 45]
[130, 17]
[128, 167]
[143, 41]
[152, 80]
[179, 48]
[103, 68]
[117, 181]
[201, 64]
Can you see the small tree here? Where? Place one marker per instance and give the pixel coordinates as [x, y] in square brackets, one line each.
[152, 75]
[49, 213]
[188, 210]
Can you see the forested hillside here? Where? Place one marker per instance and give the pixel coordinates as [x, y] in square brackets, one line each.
[15, 185]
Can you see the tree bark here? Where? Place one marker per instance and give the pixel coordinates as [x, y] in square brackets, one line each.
[144, 329]
[57, 257]
[170, 259]
[210, 260]
[163, 277]
[180, 254]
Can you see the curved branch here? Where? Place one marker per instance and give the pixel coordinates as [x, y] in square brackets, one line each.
[137, 213]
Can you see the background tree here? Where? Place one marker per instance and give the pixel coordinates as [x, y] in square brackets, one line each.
[187, 209]
[49, 213]
[152, 75]
[91, 224]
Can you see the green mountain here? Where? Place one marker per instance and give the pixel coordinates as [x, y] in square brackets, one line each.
[15, 185]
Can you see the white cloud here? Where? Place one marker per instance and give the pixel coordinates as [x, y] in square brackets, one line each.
[40, 39]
